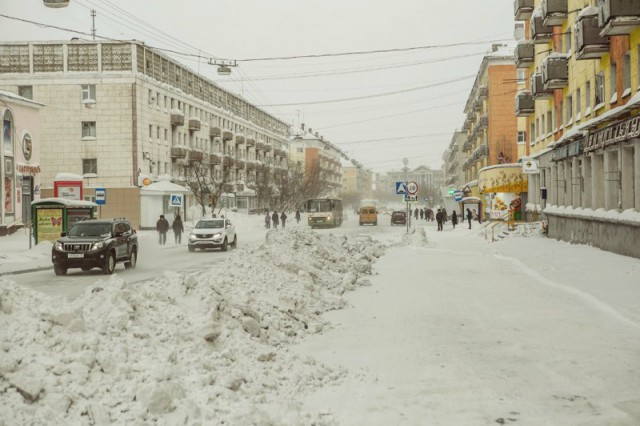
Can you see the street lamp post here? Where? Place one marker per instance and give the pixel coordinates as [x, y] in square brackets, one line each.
[405, 169]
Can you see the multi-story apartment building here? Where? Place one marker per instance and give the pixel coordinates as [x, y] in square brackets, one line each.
[357, 180]
[317, 155]
[116, 111]
[19, 159]
[492, 146]
[583, 106]
[453, 159]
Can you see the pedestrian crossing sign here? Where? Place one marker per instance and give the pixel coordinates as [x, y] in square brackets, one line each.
[175, 200]
[401, 187]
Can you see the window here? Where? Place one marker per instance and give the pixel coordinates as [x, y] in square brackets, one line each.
[88, 129]
[150, 131]
[559, 114]
[549, 122]
[569, 110]
[90, 166]
[587, 98]
[537, 128]
[522, 137]
[542, 127]
[151, 98]
[166, 101]
[626, 74]
[166, 133]
[599, 91]
[531, 132]
[158, 133]
[158, 99]
[522, 76]
[613, 82]
[578, 103]
[26, 92]
[88, 92]
[567, 41]
[300, 150]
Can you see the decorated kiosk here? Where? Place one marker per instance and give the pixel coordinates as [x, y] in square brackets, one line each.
[52, 216]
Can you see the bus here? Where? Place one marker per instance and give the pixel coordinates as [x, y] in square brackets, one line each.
[324, 212]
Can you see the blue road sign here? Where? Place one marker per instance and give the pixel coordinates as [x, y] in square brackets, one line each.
[401, 188]
[101, 196]
[176, 200]
[457, 196]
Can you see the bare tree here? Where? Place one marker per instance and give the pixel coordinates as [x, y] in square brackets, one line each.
[203, 182]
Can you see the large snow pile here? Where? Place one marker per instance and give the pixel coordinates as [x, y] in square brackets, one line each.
[208, 348]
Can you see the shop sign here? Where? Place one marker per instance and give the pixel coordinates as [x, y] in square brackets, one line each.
[529, 166]
[613, 134]
[560, 153]
[27, 169]
[502, 179]
[574, 148]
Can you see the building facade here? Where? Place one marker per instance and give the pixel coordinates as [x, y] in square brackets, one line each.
[119, 111]
[453, 159]
[19, 160]
[357, 180]
[583, 107]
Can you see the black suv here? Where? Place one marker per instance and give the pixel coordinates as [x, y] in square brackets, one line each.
[96, 243]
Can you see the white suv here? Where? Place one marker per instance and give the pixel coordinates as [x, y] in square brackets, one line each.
[213, 233]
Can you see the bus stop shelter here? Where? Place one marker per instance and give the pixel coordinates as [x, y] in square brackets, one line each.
[52, 216]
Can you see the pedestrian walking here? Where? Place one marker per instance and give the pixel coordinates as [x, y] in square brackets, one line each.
[274, 220]
[267, 219]
[439, 219]
[454, 219]
[421, 214]
[469, 217]
[415, 213]
[162, 226]
[283, 219]
[298, 215]
[178, 229]
[444, 216]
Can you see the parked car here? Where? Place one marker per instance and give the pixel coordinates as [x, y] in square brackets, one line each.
[213, 233]
[96, 243]
[368, 214]
[398, 218]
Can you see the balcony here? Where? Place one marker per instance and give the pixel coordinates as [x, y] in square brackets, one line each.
[267, 147]
[477, 105]
[483, 93]
[483, 123]
[194, 123]
[177, 117]
[259, 146]
[522, 9]
[525, 104]
[239, 139]
[618, 17]
[589, 43]
[227, 135]
[471, 116]
[525, 54]
[251, 141]
[239, 164]
[195, 156]
[215, 160]
[178, 151]
[540, 33]
[554, 12]
[555, 71]
[215, 132]
[538, 91]
[466, 125]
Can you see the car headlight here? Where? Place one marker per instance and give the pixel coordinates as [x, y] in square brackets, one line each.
[217, 236]
[98, 245]
[192, 237]
[58, 246]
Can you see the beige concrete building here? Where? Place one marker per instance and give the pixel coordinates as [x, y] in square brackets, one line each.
[357, 180]
[119, 111]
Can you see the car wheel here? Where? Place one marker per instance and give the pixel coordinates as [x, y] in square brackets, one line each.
[234, 243]
[192, 249]
[59, 270]
[224, 245]
[109, 264]
[131, 263]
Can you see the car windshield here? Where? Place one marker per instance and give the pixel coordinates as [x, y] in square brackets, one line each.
[90, 230]
[215, 223]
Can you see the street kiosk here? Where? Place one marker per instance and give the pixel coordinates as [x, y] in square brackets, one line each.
[52, 216]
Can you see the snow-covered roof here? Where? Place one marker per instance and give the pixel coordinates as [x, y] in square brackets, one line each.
[166, 187]
[64, 201]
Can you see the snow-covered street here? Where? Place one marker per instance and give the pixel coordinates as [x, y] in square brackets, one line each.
[355, 325]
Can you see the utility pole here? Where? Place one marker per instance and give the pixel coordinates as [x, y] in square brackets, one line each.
[93, 23]
[405, 169]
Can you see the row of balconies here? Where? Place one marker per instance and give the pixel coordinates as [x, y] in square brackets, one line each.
[611, 17]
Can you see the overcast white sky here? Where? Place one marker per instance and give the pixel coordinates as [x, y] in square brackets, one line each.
[377, 131]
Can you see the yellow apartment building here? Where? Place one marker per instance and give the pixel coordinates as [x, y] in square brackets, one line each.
[582, 104]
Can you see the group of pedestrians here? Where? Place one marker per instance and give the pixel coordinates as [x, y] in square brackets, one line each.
[273, 219]
[162, 226]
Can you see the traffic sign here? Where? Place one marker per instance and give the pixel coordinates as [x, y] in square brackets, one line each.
[410, 198]
[401, 187]
[457, 196]
[101, 196]
[412, 188]
[176, 200]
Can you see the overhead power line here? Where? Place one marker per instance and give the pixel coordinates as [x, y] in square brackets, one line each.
[377, 95]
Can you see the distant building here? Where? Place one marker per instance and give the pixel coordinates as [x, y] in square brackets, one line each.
[357, 180]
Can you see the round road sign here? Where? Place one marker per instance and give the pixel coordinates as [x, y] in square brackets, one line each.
[412, 188]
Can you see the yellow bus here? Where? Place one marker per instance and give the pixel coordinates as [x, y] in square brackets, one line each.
[324, 212]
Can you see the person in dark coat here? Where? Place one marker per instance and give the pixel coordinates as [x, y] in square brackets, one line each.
[283, 219]
[178, 229]
[421, 214]
[469, 215]
[267, 220]
[444, 216]
[298, 215]
[415, 213]
[439, 219]
[274, 219]
[454, 219]
[162, 226]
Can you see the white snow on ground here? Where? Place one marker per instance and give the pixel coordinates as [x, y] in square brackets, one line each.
[210, 348]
